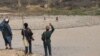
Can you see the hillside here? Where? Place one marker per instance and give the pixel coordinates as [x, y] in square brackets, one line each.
[54, 7]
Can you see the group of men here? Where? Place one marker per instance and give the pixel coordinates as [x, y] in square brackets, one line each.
[27, 37]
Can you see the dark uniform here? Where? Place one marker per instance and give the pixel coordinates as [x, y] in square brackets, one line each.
[7, 33]
[27, 34]
[47, 41]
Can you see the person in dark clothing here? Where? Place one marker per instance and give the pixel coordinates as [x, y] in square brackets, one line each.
[46, 39]
[6, 32]
[27, 38]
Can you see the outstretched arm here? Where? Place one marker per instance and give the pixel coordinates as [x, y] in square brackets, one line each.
[1, 25]
[52, 28]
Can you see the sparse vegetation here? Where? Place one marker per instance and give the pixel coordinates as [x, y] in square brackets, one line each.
[54, 7]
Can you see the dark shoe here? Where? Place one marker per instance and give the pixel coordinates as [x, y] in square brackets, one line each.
[50, 55]
[26, 53]
[45, 55]
[10, 48]
[6, 48]
[30, 53]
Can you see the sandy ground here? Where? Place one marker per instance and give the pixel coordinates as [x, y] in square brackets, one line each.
[79, 41]
[83, 41]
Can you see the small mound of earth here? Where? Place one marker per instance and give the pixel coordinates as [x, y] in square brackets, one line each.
[15, 53]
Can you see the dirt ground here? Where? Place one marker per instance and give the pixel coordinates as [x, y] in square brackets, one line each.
[66, 41]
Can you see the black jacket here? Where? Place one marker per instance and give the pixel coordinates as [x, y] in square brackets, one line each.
[27, 33]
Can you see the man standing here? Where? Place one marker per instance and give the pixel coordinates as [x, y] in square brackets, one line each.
[46, 39]
[6, 32]
[27, 38]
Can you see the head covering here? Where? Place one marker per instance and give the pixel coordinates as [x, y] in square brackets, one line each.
[6, 20]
